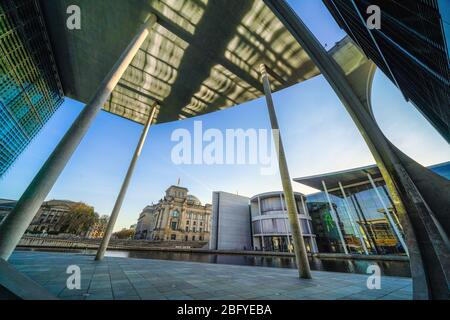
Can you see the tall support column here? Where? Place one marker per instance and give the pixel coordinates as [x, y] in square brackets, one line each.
[283, 209]
[355, 228]
[297, 236]
[16, 223]
[123, 190]
[335, 218]
[388, 215]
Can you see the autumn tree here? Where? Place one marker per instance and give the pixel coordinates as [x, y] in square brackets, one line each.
[79, 219]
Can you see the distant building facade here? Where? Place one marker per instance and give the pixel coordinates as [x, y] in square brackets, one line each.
[97, 231]
[146, 223]
[179, 216]
[330, 220]
[270, 225]
[231, 222]
[30, 90]
[50, 217]
[6, 207]
[411, 47]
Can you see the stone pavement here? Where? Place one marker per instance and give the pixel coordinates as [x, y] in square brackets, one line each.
[125, 279]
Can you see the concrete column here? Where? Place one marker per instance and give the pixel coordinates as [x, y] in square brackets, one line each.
[305, 210]
[15, 225]
[297, 236]
[259, 206]
[335, 217]
[123, 190]
[388, 215]
[288, 234]
[355, 228]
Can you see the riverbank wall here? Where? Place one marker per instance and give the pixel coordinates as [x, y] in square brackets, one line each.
[53, 244]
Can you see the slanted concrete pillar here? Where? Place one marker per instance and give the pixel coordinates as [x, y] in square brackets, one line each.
[301, 255]
[123, 190]
[16, 223]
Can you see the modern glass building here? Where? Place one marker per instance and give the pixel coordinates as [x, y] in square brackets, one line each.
[30, 90]
[270, 225]
[411, 47]
[357, 201]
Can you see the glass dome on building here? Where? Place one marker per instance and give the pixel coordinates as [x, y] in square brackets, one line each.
[194, 199]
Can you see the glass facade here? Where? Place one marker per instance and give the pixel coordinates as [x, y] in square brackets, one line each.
[411, 48]
[360, 213]
[442, 169]
[356, 215]
[30, 91]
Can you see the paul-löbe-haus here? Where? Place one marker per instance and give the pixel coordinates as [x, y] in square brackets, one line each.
[157, 63]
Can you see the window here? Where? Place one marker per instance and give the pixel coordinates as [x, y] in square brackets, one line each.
[175, 214]
[193, 229]
[201, 223]
[201, 229]
[195, 222]
[256, 227]
[200, 238]
[193, 238]
[187, 222]
[186, 238]
[271, 205]
[173, 225]
[173, 237]
[187, 229]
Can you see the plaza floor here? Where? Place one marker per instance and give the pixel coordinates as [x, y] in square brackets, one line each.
[144, 279]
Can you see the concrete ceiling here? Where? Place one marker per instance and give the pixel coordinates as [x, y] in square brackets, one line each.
[202, 56]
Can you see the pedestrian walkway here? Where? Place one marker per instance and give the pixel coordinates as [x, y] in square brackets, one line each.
[125, 278]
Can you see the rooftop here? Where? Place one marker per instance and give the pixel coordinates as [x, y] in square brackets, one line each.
[357, 176]
[346, 177]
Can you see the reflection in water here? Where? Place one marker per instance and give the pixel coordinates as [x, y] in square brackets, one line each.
[388, 268]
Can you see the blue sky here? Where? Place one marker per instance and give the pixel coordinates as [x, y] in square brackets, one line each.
[318, 134]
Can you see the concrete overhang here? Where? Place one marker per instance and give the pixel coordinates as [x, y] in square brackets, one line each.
[202, 56]
[346, 178]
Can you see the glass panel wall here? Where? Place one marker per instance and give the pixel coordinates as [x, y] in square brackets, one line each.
[365, 208]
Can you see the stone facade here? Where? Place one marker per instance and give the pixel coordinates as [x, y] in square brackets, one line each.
[146, 223]
[49, 216]
[177, 217]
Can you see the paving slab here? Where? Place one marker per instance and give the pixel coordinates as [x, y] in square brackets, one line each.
[147, 279]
